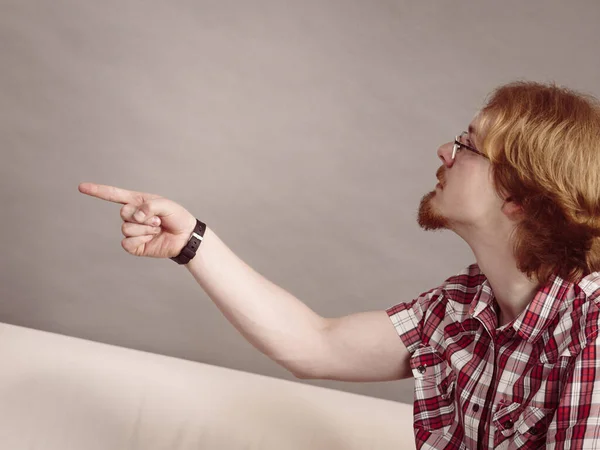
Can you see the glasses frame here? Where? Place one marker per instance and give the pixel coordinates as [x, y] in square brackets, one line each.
[459, 145]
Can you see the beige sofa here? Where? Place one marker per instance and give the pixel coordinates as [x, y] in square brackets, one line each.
[63, 393]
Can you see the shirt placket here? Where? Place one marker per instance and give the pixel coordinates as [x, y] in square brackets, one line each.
[498, 399]
[487, 317]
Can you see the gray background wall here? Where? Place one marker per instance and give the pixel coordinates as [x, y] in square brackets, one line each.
[304, 133]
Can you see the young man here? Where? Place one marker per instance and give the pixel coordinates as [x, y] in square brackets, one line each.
[505, 353]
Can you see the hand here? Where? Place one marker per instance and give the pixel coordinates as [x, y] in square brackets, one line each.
[165, 238]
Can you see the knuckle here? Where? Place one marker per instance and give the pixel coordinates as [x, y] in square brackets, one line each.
[126, 244]
[127, 212]
[123, 212]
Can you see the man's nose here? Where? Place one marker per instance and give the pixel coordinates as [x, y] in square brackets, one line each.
[445, 154]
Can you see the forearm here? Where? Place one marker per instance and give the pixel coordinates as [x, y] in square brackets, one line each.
[270, 318]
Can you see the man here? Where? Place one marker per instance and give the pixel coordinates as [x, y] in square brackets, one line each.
[505, 353]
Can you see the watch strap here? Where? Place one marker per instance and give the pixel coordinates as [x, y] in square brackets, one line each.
[189, 251]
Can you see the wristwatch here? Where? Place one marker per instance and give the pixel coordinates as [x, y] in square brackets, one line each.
[189, 251]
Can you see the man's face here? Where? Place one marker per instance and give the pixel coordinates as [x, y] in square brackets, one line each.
[466, 197]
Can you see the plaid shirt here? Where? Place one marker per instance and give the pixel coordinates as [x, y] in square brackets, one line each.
[534, 383]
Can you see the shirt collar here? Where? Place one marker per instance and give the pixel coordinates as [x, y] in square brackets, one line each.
[543, 308]
[482, 306]
[555, 295]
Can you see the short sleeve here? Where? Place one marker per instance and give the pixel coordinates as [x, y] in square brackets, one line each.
[408, 318]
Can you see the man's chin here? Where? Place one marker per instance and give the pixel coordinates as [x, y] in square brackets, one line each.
[427, 218]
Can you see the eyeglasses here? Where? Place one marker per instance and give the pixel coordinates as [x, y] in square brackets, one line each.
[458, 145]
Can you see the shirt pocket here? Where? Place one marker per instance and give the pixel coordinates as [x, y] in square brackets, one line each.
[524, 427]
[434, 390]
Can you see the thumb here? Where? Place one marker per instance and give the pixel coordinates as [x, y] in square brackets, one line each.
[154, 207]
[172, 216]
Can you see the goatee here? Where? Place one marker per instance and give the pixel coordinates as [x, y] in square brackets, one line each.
[429, 219]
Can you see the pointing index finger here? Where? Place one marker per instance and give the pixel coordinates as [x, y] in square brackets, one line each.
[111, 193]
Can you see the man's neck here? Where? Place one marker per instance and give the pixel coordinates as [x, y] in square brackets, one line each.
[512, 290]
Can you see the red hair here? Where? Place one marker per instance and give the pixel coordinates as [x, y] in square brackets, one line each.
[544, 145]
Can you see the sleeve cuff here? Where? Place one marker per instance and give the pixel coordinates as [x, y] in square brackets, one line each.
[406, 323]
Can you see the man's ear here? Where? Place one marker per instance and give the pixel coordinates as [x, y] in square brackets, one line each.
[511, 209]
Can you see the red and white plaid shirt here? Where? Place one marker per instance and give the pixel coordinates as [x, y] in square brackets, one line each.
[534, 383]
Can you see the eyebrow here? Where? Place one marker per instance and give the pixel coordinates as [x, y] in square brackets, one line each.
[472, 134]
[472, 130]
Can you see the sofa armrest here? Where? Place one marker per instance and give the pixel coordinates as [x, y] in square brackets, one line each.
[59, 392]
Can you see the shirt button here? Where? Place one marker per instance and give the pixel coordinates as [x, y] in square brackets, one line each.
[508, 424]
[475, 407]
[421, 369]
[533, 430]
